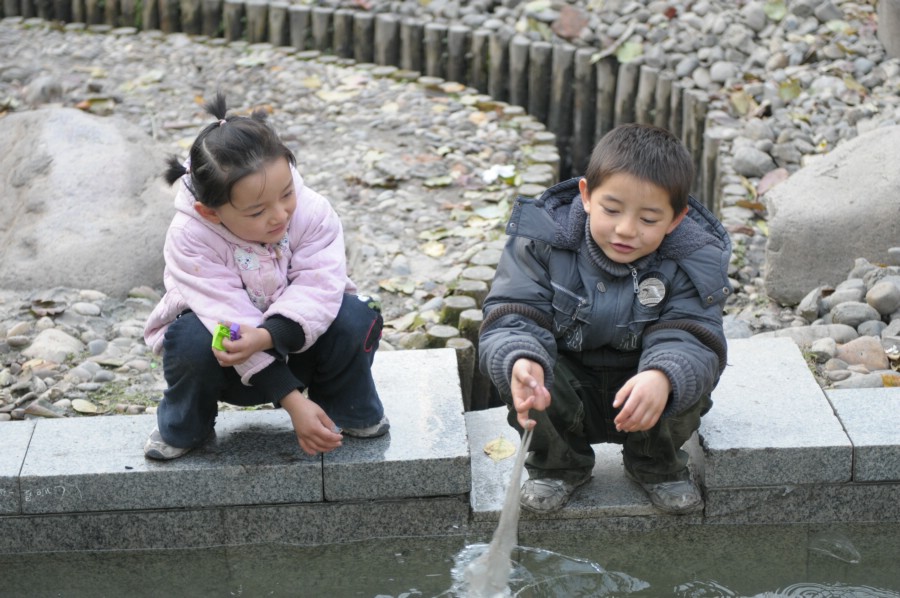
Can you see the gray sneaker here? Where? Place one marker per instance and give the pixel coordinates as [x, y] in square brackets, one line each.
[373, 431]
[675, 498]
[546, 495]
[156, 448]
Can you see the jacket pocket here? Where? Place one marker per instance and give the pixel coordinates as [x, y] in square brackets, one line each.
[569, 316]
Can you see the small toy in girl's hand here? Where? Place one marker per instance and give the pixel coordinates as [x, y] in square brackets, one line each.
[232, 332]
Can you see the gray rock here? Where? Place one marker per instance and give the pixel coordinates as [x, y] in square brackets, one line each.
[884, 296]
[91, 209]
[853, 313]
[812, 209]
[53, 345]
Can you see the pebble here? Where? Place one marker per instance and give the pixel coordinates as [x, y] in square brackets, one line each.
[391, 140]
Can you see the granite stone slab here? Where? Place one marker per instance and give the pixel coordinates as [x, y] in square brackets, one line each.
[333, 522]
[608, 494]
[98, 464]
[871, 417]
[771, 423]
[16, 436]
[425, 453]
[814, 503]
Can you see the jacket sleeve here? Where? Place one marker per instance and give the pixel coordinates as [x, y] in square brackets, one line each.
[687, 344]
[317, 272]
[518, 314]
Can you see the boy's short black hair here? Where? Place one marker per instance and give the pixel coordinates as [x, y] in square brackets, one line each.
[649, 153]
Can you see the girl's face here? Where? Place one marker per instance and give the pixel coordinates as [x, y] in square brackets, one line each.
[261, 204]
[629, 216]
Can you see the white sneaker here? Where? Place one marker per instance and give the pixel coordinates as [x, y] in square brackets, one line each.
[379, 429]
[156, 448]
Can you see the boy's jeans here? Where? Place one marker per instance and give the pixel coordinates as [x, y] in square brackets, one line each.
[581, 414]
[336, 369]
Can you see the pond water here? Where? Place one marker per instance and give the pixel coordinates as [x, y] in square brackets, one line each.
[697, 562]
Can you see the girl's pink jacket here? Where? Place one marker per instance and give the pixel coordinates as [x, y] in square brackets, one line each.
[221, 277]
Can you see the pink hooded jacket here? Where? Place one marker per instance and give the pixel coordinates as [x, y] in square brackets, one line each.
[221, 277]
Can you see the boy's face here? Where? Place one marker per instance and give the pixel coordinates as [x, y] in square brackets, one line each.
[629, 216]
[261, 204]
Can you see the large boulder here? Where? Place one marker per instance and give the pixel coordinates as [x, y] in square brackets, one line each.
[889, 26]
[842, 206]
[83, 202]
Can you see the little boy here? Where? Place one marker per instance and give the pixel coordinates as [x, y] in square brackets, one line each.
[604, 320]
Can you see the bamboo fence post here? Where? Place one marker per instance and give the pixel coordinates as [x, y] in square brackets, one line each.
[363, 37]
[676, 108]
[467, 364]
[149, 13]
[480, 60]
[434, 42]
[411, 45]
[343, 33]
[257, 20]
[498, 65]
[191, 17]
[662, 99]
[387, 39]
[322, 28]
[279, 24]
[300, 17]
[584, 113]
[540, 70]
[233, 20]
[458, 58]
[626, 92]
[646, 95]
[559, 119]
[62, 9]
[694, 119]
[519, 47]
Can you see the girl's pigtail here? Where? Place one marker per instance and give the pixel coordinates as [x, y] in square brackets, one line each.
[174, 170]
[216, 106]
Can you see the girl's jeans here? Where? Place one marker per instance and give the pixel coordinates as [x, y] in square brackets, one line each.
[581, 414]
[336, 370]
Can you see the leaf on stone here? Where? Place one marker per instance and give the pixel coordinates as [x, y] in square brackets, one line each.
[889, 380]
[789, 90]
[337, 96]
[853, 85]
[434, 249]
[629, 52]
[84, 406]
[743, 102]
[252, 60]
[775, 9]
[839, 26]
[499, 449]
[438, 181]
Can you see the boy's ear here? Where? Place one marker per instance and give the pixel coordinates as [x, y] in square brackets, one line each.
[585, 196]
[207, 213]
[678, 218]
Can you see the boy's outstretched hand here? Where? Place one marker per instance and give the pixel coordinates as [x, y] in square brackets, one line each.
[314, 429]
[528, 392]
[643, 399]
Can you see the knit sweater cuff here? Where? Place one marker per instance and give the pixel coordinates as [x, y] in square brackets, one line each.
[287, 335]
[276, 381]
[679, 372]
[505, 358]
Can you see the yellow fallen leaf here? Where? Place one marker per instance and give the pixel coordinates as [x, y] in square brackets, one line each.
[499, 449]
[434, 249]
[84, 406]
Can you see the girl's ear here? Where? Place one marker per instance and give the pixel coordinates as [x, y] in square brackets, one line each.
[207, 213]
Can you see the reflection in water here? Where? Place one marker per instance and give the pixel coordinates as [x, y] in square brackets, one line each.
[834, 544]
[540, 573]
[711, 589]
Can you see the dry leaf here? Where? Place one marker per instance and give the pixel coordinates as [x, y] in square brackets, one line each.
[499, 449]
[84, 406]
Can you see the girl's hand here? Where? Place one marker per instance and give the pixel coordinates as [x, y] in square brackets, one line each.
[252, 340]
[528, 392]
[643, 399]
[314, 429]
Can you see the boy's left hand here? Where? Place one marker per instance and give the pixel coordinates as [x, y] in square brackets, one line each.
[252, 341]
[643, 399]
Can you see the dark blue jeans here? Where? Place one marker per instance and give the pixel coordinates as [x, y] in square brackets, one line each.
[336, 370]
[581, 414]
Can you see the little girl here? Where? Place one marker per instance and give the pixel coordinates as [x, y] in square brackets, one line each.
[251, 245]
